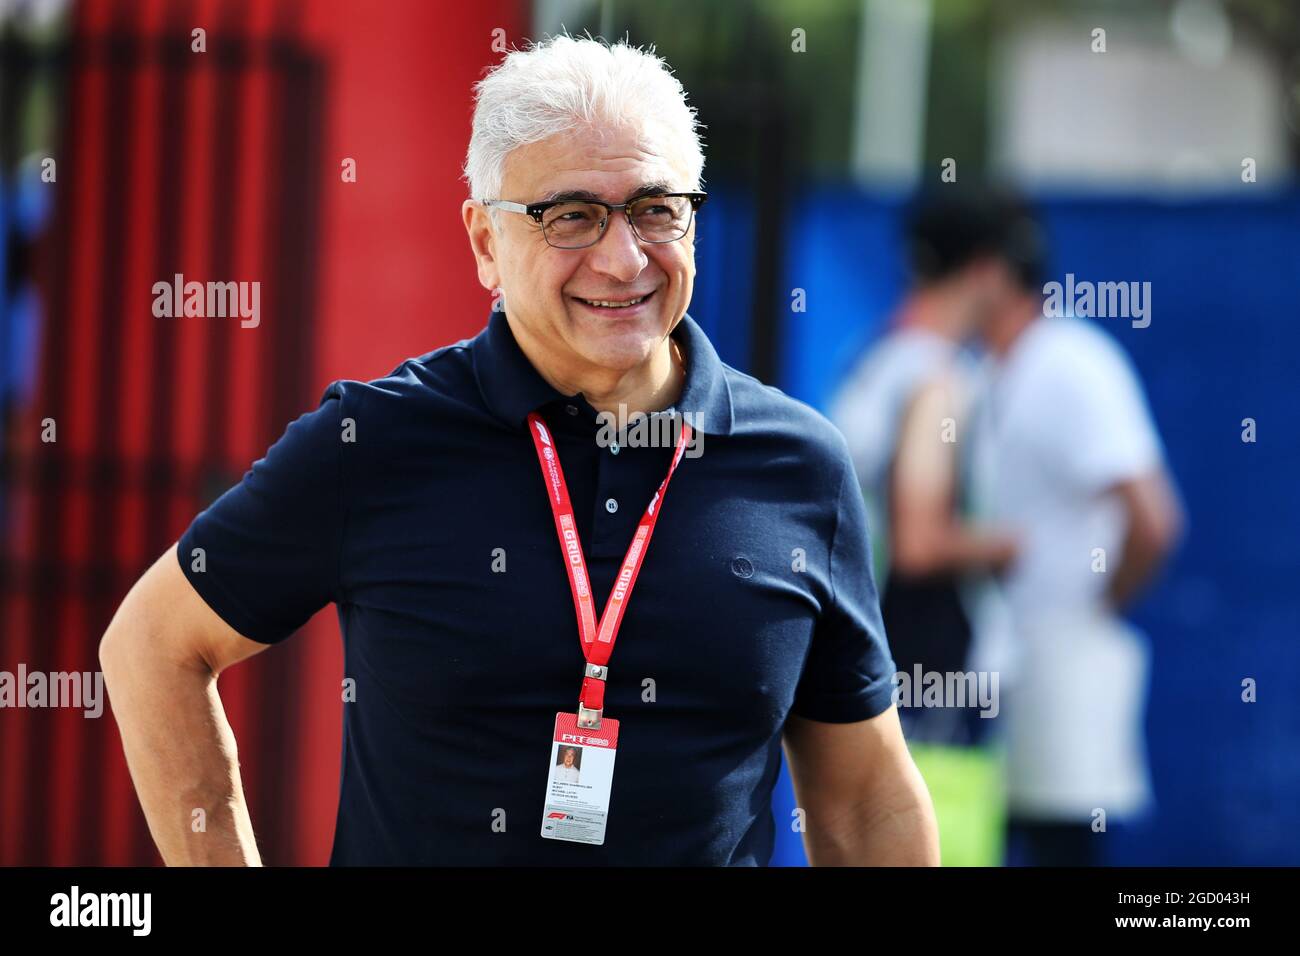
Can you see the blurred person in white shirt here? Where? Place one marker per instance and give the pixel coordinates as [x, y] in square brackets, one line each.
[1067, 458]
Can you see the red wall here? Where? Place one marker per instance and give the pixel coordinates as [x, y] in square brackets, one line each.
[392, 277]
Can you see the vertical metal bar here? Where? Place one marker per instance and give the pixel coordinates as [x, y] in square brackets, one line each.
[303, 167]
[771, 179]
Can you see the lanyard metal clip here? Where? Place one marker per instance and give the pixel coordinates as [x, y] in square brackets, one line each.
[589, 717]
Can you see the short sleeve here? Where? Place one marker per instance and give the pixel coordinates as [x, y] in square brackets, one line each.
[1101, 426]
[265, 556]
[849, 673]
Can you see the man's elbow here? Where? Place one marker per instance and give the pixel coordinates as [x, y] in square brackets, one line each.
[112, 649]
[1175, 524]
[138, 641]
[1162, 526]
[1155, 514]
[115, 657]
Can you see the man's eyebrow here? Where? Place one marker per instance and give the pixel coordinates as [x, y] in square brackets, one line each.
[585, 195]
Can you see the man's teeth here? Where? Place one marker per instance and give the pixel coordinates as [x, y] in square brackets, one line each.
[611, 304]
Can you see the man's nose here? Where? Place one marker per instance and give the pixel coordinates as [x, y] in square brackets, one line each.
[618, 254]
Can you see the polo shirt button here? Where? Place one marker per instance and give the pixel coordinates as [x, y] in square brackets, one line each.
[614, 449]
[571, 409]
[611, 505]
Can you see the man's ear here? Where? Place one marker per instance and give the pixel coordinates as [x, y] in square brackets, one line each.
[482, 242]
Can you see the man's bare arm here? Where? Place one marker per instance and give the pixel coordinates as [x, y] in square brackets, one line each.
[864, 799]
[1155, 523]
[161, 656]
[926, 535]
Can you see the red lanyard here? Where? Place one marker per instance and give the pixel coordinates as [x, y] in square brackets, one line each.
[597, 639]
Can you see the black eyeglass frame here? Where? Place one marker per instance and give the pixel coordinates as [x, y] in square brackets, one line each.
[536, 210]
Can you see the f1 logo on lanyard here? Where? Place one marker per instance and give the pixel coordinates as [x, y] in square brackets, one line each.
[583, 745]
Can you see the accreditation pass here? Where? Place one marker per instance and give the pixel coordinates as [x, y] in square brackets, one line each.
[578, 782]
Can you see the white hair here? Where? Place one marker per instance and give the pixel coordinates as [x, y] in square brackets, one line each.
[567, 83]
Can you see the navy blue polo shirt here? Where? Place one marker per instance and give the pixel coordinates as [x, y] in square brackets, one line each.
[416, 505]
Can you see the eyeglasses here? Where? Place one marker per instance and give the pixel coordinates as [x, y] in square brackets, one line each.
[576, 224]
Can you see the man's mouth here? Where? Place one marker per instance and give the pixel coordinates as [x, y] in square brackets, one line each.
[626, 303]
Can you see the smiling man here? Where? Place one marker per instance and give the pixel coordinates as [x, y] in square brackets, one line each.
[498, 587]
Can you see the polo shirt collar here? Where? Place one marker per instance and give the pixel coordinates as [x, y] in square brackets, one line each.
[512, 388]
